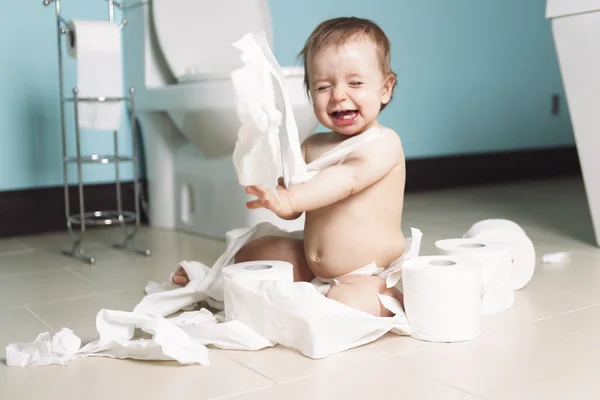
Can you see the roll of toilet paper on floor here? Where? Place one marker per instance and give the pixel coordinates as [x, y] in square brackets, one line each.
[522, 247]
[248, 275]
[96, 45]
[496, 262]
[442, 297]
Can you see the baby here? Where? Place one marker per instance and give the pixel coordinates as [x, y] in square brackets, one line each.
[353, 209]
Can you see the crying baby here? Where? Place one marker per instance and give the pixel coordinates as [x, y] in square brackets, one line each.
[352, 231]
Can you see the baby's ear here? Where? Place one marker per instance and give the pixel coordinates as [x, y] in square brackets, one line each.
[388, 88]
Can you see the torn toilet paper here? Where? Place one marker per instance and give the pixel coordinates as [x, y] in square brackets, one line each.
[262, 154]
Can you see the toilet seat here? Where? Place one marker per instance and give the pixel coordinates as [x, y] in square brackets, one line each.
[186, 29]
[192, 75]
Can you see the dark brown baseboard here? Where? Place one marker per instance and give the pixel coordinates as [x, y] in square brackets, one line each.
[32, 211]
[40, 210]
[491, 168]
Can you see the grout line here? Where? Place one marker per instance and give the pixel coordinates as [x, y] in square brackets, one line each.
[11, 253]
[566, 312]
[81, 276]
[38, 317]
[247, 366]
[85, 296]
[25, 273]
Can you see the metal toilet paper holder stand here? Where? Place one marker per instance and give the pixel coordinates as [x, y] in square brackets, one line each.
[96, 218]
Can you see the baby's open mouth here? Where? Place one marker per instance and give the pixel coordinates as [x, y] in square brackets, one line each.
[345, 114]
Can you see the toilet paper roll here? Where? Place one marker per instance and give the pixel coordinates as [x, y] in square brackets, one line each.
[96, 45]
[522, 247]
[496, 262]
[442, 297]
[251, 272]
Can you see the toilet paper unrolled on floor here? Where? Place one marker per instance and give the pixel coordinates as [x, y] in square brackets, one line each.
[442, 297]
[183, 339]
[524, 259]
[268, 310]
[496, 261]
[96, 46]
[265, 149]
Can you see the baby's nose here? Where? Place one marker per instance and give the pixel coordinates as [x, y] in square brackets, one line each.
[339, 94]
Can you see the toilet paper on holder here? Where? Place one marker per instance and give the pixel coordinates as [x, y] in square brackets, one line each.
[96, 46]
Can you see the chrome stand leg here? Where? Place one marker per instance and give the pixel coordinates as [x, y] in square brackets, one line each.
[129, 236]
[76, 250]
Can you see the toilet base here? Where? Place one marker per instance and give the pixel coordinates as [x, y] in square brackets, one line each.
[209, 200]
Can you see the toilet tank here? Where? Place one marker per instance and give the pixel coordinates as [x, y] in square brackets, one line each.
[563, 8]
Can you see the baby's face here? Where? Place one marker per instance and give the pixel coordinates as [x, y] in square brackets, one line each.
[348, 87]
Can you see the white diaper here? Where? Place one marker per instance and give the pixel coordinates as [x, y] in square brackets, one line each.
[392, 274]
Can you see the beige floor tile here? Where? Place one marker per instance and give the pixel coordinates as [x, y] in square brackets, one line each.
[10, 246]
[32, 261]
[120, 275]
[40, 287]
[282, 364]
[379, 379]
[572, 374]
[79, 315]
[505, 358]
[18, 325]
[101, 379]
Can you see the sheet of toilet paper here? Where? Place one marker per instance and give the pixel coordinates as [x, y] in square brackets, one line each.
[97, 50]
[442, 297]
[266, 150]
[496, 262]
[524, 259]
[183, 339]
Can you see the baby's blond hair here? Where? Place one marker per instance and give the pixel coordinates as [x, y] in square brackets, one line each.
[338, 31]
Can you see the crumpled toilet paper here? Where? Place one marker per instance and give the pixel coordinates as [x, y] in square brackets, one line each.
[183, 339]
[262, 154]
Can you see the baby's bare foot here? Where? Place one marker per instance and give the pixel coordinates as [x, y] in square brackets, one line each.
[180, 277]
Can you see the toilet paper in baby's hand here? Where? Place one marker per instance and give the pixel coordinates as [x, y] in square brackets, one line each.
[442, 297]
[496, 262]
[263, 153]
[523, 251]
[96, 45]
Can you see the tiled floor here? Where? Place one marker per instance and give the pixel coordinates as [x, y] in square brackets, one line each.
[546, 347]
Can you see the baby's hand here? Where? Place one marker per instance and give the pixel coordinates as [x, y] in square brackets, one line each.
[281, 206]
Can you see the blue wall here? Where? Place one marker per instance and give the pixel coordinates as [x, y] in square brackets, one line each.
[473, 77]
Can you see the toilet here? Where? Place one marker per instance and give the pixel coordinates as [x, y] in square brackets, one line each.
[576, 32]
[178, 55]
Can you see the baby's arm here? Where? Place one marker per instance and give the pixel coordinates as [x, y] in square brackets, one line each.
[360, 170]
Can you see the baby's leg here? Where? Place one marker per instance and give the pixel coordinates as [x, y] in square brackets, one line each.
[268, 248]
[360, 292]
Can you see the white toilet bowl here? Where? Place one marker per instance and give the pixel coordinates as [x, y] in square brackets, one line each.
[576, 31]
[178, 56]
